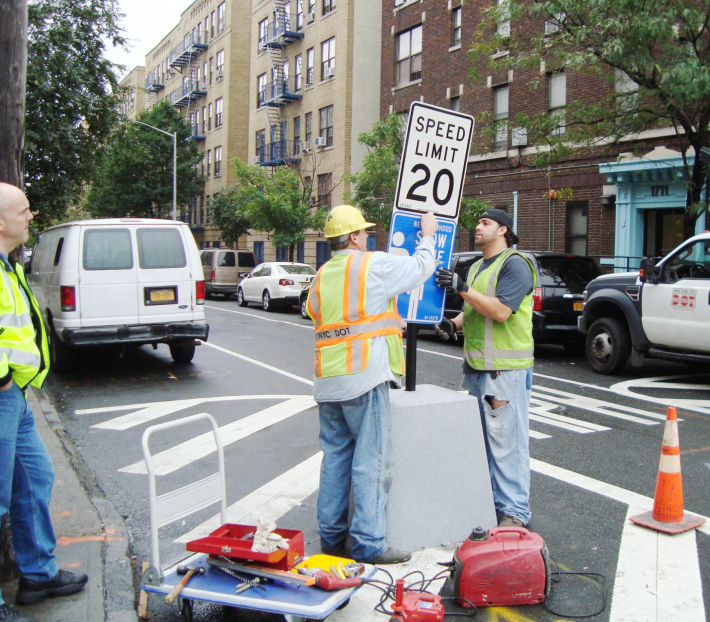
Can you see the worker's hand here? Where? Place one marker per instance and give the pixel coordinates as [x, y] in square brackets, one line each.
[446, 330]
[446, 278]
[429, 224]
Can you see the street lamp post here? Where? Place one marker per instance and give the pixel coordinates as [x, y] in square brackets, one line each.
[174, 135]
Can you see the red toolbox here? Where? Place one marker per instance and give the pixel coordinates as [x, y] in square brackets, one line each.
[235, 541]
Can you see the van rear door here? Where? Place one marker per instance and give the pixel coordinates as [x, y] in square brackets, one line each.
[225, 270]
[107, 277]
[165, 283]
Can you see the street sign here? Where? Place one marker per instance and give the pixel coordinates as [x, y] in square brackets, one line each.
[433, 167]
[424, 304]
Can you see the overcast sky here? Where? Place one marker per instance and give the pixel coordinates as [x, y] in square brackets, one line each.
[145, 24]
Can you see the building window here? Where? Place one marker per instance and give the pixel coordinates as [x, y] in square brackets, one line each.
[309, 126]
[263, 29]
[259, 252]
[204, 119]
[220, 62]
[217, 161]
[576, 238]
[326, 125]
[218, 112]
[327, 59]
[325, 189]
[211, 68]
[503, 24]
[456, 104]
[310, 59]
[409, 55]
[557, 100]
[322, 253]
[299, 72]
[626, 91]
[301, 253]
[299, 14]
[553, 25]
[212, 20]
[328, 6]
[204, 72]
[260, 142]
[296, 135]
[456, 22]
[221, 15]
[500, 117]
[209, 117]
[282, 253]
[260, 90]
[209, 163]
[311, 10]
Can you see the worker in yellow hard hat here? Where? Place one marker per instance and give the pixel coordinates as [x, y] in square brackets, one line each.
[358, 353]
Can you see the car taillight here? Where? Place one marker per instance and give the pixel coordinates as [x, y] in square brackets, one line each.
[200, 292]
[285, 282]
[537, 299]
[67, 296]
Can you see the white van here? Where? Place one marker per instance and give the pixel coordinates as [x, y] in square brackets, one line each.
[225, 268]
[119, 281]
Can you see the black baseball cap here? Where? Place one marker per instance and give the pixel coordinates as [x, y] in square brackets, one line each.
[502, 218]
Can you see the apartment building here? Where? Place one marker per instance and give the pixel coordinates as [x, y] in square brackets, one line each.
[612, 209]
[134, 99]
[314, 87]
[202, 67]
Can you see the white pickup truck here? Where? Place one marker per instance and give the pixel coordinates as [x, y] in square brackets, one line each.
[662, 311]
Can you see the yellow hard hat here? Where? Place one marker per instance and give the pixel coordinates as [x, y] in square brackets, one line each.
[344, 220]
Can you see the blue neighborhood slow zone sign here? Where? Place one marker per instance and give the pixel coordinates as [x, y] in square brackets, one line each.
[424, 304]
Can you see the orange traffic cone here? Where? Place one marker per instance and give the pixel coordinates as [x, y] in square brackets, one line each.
[668, 515]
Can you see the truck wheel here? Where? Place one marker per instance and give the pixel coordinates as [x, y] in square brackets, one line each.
[608, 346]
[62, 357]
[182, 351]
[240, 298]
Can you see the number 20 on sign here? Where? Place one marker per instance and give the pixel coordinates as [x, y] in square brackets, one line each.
[433, 167]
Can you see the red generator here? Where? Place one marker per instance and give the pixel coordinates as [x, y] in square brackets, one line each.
[502, 567]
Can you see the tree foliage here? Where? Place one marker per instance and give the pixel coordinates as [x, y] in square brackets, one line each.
[653, 54]
[72, 98]
[134, 176]
[279, 203]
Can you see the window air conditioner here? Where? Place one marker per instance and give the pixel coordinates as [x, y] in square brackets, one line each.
[311, 17]
[306, 146]
[220, 74]
[329, 72]
[257, 159]
[320, 141]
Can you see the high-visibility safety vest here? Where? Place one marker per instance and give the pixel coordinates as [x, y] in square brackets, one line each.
[23, 338]
[337, 303]
[491, 345]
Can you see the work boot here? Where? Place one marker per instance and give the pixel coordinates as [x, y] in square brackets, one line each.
[8, 614]
[342, 550]
[510, 521]
[390, 556]
[63, 584]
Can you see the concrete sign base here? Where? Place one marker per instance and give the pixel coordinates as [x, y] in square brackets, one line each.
[441, 489]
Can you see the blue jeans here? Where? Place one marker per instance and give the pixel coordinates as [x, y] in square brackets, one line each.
[506, 431]
[355, 438]
[26, 478]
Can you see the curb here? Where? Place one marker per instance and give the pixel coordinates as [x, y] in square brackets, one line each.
[119, 595]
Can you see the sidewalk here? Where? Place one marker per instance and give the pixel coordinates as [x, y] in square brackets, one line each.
[91, 536]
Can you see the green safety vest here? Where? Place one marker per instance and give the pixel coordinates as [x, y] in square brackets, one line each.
[337, 303]
[491, 345]
[23, 338]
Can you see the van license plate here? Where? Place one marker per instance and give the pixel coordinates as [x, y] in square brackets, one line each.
[578, 306]
[162, 296]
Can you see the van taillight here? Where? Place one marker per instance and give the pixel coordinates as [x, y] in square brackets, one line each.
[67, 296]
[200, 292]
[285, 282]
[212, 276]
[537, 299]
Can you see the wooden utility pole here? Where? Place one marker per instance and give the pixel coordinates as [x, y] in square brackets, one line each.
[13, 59]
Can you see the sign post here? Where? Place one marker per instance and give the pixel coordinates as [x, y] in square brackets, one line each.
[431, 179]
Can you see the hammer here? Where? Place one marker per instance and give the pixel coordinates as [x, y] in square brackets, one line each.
[188, 571]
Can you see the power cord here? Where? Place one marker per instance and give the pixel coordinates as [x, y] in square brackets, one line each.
[553, 581]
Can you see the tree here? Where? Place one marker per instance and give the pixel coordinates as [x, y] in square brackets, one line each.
[278, 203]
[376, 184]
[72, 98]
[134, 176]
[653, 54]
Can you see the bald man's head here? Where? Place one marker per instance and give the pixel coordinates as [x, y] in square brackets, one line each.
[15, 217]
[10, 195]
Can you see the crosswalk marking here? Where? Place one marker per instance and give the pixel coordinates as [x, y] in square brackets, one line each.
[540, 410]
[183, 454]
[269, 502]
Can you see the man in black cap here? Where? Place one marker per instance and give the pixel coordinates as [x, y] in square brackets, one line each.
[498, 357]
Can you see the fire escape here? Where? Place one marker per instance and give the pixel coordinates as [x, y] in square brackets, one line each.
[283, 89]
[184, 58]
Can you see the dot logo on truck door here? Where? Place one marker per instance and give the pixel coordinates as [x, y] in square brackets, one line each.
[683, 299]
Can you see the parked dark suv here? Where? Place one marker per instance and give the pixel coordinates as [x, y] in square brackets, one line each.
[557, 299]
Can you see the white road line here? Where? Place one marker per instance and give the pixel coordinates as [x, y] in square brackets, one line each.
[271, 501]
[185, 453]
[149, 412]
[652, 567]
[658, 382]
[288, 374]
[538, 435]
[258, 317]
[544, 408]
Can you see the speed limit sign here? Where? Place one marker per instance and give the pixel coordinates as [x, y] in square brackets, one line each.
[433, 166]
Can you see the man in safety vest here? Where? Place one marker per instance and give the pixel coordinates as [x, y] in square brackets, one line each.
[358, 353]
[26, 471]
[498, 358]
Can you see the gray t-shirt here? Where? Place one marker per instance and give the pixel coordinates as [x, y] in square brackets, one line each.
[515, 281]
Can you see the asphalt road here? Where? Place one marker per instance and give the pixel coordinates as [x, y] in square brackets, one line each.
[595, 444]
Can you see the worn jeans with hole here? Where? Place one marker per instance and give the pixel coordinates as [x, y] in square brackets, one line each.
[355, 438]
[26, 479]
[506, 431]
